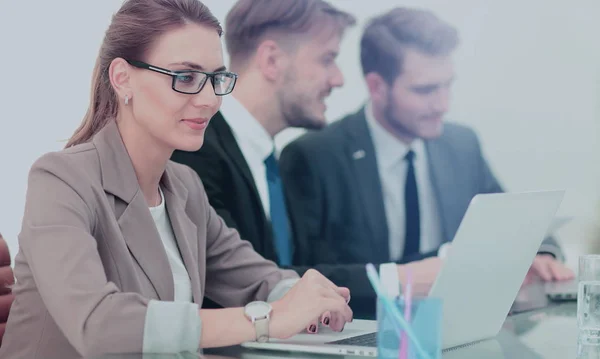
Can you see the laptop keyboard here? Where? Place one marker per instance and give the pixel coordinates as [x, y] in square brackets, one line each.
[365, 340]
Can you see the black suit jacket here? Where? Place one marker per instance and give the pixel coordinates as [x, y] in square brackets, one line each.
[230, 186]
[232, 192]
[335, 196]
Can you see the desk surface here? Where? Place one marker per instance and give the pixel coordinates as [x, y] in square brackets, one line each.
[543, 333]
[543, 330]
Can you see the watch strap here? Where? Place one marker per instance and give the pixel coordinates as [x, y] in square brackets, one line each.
[261, 327]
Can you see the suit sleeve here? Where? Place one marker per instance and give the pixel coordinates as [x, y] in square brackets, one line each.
[56, 240]
[314, 249]
[489, 184]
[235, 273]
[207, 163]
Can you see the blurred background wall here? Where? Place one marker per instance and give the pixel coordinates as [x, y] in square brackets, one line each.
[528, 81]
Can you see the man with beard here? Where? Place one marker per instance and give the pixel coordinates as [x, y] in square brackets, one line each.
[284, 52]
[391, 182]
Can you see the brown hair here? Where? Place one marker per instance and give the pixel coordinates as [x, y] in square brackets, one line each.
[133, 30]
[249, 21]
[387, 36]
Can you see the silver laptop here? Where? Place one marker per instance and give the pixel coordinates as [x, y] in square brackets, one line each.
[491, 253]
[493, 249]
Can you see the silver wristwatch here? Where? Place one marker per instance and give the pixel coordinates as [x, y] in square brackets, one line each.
[259, 314]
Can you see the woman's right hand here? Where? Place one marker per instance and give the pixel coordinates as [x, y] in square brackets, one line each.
[306, 304]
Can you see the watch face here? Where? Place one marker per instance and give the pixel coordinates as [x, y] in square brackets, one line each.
[258, 309]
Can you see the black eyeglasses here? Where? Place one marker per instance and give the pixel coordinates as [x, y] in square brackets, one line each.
[192, 82]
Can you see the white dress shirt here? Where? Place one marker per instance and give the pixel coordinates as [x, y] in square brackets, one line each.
[255, 143]
[175, 326]
[172, 326]
[390, 153]
[181, 278]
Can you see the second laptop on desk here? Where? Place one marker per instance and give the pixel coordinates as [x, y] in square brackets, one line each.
[491, 253]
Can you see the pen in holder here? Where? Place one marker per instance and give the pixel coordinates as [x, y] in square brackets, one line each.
[407, 314]
[425, 326]
[425, 316]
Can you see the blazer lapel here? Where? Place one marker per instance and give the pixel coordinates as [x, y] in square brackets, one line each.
[186, 232]
[232, 149]
[361, 154]
[443, 182]
[131, 210]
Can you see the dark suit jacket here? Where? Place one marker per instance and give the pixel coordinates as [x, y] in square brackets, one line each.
[230, 185]
[336, 201]
[232, 192]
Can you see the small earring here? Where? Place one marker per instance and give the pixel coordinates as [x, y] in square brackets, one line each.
[126, 100]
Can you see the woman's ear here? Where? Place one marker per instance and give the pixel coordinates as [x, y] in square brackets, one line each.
[119, 73]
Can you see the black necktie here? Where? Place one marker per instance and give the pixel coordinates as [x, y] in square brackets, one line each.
[411, 209]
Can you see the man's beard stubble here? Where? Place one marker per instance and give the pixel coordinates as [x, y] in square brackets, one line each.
[296, 112]
[390, 118]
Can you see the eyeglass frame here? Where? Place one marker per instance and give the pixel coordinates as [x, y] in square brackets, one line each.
[174, 74]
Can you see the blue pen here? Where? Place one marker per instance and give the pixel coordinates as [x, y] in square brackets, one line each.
[401, 324]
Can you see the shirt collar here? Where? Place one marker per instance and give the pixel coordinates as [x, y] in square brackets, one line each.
[389, 150]
[248, 132]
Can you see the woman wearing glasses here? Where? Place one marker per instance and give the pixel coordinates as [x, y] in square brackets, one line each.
[116, 251]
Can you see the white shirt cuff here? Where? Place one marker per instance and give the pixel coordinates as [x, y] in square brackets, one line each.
[390, 281]
[552, 250]
[443, 250]
[172, 327]
[281, 289]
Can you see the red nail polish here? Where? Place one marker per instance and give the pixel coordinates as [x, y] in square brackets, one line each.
[312, 328]
[326, 321]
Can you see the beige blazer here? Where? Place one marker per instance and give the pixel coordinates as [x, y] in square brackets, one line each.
[90, 257]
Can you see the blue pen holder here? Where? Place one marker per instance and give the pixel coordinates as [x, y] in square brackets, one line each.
[426, 321]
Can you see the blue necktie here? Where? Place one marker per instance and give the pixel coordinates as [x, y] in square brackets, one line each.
[279, 218]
